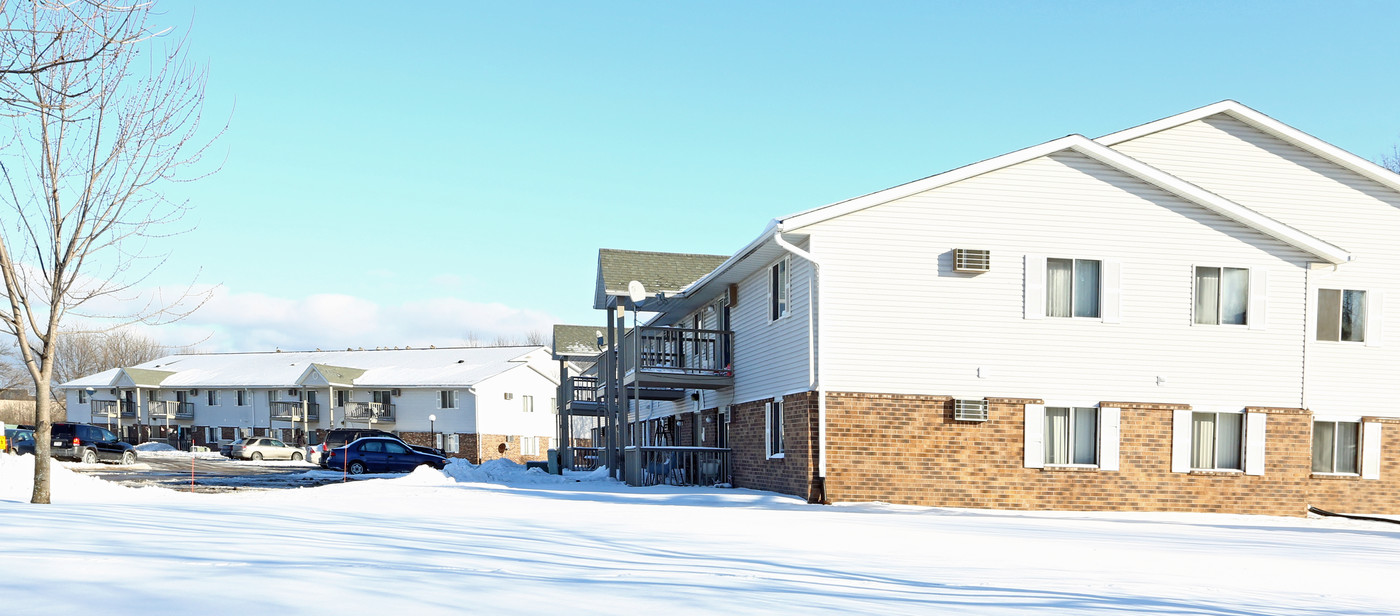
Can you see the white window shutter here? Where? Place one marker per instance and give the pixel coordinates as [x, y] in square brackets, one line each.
[1254, 429]
[1257, 311]
[1110, 426]
[1181, 441]
[1035, 287]
[1371, 450]
[1110, 296]
[1375, 309]
[1035, 436]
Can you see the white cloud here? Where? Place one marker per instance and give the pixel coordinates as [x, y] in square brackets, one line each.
[257, 321]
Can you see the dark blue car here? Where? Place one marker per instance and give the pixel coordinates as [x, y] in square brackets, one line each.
[19, 441]
[374, 454]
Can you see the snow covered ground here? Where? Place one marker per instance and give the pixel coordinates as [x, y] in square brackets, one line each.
[495, 539]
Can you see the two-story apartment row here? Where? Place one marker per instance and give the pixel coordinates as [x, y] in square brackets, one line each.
[474, 403]
[1188, 315]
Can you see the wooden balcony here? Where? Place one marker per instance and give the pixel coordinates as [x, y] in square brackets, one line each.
[582, 398]
[678, 358]
[369, 411]
[291, 410]
[170, 409]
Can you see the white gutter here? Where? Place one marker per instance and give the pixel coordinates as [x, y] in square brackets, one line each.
[814, 356]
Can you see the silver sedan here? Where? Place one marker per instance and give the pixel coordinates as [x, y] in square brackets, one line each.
[263, 448]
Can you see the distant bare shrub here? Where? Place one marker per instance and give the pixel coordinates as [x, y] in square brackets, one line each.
[22, 412]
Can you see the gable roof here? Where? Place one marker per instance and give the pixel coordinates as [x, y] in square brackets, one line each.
[1100, 153]
[660, 272]
[576, 341]
[446, 367]
[1293, 136]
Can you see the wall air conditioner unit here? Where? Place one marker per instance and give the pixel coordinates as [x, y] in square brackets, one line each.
[397, 392]
[972, 261]
[113, 391]
[969, 410]
[510, 396]
[194, 392]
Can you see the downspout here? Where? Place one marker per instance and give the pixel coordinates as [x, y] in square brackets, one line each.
[814, 359]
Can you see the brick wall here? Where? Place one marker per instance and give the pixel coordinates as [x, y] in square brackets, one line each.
[794, 472]
[908, 449]
[708, 421]
[491, 448]
[1355, 495]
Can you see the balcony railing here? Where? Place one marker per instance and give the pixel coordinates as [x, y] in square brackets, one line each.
[584, 389]
[682, 350]
[291, 410]
[170, 409]
[586, 458]
[107, 408]
[369, 411]
[677, 466]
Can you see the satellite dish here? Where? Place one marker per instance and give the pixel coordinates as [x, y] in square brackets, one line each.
[636, 291]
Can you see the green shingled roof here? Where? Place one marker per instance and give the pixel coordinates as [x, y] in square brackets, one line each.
[577, 340]
[659, 272]
[338, 375]
[146, 378]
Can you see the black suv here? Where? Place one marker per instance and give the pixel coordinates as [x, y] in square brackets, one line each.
[89, 444]
[340, 437]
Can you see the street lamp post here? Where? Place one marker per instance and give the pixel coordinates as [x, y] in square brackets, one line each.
[432, 428]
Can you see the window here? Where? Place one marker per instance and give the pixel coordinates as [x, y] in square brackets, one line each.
[529, 445]
[773, 432]
[1072, 288]
[212, 397]
[447, 399]
[341, 397]
[82, 396]
[779, 288]
[242, 398]
[394, 448]
[527, 404]
[1341, 315]
[1071, 435]
[1217, 441]
[1335, 446]
[1222, 295]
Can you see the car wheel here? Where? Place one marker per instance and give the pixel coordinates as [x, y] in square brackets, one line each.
[296, 456]
[357, 468]
[89, 456]
[257, 456]
[129, 457]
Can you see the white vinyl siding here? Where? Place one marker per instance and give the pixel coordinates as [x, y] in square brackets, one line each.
[891, 300]
[1268, 175]
[769, 356]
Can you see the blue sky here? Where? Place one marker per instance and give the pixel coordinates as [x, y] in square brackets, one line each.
[406, 175]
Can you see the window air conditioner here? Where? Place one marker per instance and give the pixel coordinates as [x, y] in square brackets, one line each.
[972, 261]
[194, 392]
[510, 396]
[397, 392]
[969, 410]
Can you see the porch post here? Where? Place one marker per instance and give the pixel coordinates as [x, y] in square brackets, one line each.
[609, 376]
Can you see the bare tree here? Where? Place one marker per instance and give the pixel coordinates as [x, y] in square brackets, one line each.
[1391, 161]
[82, 353]
[104, 112]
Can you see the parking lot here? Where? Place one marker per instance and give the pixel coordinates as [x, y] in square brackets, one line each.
[211, 473]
